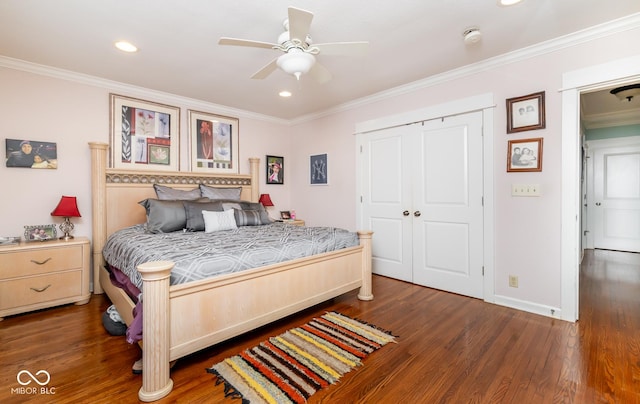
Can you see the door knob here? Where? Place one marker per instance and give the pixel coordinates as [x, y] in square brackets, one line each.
[597, 203]
[416, 213]
[405, 213]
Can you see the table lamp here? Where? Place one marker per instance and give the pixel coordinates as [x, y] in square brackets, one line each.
[67, 207]
[265, 200]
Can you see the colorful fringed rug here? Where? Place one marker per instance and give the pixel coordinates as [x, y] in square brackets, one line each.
[291, 367]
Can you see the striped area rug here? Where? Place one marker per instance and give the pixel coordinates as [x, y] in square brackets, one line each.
[291, 367]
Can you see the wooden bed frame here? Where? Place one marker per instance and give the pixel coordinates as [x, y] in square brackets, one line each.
[182, 319]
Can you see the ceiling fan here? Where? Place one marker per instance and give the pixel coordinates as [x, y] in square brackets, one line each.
[299, 52]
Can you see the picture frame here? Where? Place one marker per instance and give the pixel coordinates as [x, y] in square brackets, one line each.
[526, 113]
[144, 134]
[213, 143]
[318, 169]
[524, 155]
[285, 215]
[274, 170]
[31, 154]
[40, 232]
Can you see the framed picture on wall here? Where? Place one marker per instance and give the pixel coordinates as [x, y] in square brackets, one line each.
[213, 141]
[275, 170]
[524, 155]
[31, 154]
[144, 134]
[318, 170]
[525, 113]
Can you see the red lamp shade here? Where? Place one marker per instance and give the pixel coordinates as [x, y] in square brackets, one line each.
[67, 207]
[265, 200]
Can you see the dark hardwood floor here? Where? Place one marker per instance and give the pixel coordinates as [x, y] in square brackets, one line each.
[451, 349]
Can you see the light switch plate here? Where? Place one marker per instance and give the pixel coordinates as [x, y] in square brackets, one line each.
[525, 189]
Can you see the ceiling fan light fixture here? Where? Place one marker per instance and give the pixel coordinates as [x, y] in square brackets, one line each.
[296, 62]
[626, 92]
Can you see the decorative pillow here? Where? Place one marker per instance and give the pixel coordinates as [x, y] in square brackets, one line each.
[216, 221]
[220, 193]
[164, 216]
[247, 217]
[167, 193]
[193, 210]
[231, 205]
[264, 215]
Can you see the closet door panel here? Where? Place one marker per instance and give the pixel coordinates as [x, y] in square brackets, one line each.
[386, 196]
[448, 232]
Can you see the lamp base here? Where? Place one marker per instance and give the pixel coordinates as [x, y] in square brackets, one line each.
[66, 228]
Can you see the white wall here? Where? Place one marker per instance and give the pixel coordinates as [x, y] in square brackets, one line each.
[71, 113]
[527, 230]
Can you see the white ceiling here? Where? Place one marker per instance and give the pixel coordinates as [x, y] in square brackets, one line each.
[178, 51]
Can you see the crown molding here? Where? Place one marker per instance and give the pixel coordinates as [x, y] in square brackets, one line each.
[608, 120]
[131, 90]
[613, 27]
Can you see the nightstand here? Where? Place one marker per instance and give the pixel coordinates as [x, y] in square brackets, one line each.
[295, 222]
[41, 274]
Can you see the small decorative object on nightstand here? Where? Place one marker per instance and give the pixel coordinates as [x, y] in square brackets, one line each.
[35, 276]
[67, 207]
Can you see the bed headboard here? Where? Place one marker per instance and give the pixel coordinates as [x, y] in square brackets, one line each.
[115, 194]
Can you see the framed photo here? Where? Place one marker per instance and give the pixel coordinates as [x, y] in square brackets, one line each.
[275, 170]
[285, 215]
[524, 155]
[144, 134]
[525, 113]
[40, 233]
[31, 154]
[318, 169]
[213, 143]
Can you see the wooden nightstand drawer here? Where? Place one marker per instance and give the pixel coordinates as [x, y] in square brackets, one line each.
[38, 275]
[37, 289]
[40, 261]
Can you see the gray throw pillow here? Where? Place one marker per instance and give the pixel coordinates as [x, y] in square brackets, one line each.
[247, 217]
[164, 216]
[193, 211]
[172, 194]
[221, 193]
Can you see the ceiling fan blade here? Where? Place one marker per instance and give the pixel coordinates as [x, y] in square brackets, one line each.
[320, 73]
[245, 42]
[343, 48]
[299, 23]
[266, 70]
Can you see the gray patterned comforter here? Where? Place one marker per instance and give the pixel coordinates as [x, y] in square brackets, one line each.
[200, 255]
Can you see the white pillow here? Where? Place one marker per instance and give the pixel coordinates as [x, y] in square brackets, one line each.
[216, 221]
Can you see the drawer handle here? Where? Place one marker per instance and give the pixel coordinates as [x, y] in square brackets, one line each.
[41, 289]
[41, 262]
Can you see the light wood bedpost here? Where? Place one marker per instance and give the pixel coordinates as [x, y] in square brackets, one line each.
[156, 333]
[254, 163]
[98, 208]
[366, 288]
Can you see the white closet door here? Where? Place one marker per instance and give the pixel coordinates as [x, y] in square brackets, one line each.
[617, 198]
[386, 194]
[447, 205]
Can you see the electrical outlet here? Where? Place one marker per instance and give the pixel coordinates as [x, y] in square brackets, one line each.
[525, 189]
[513, 281]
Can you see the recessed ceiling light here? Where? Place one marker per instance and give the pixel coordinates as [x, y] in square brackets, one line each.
[126, 46]
[284, 94]
[508, 2]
